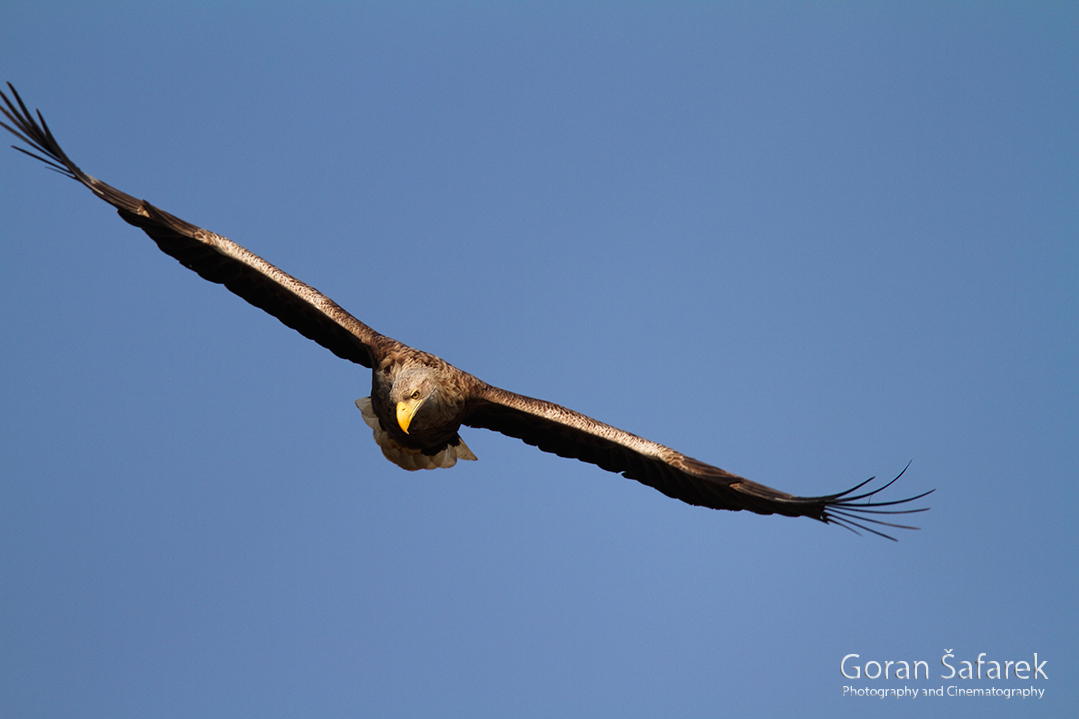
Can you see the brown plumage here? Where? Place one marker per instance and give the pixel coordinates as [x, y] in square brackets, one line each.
[419, 402]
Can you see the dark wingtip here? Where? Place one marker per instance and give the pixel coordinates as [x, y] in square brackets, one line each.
[848, 510]
[36, 134]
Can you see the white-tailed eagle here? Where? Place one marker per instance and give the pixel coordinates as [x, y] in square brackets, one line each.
[419, 402]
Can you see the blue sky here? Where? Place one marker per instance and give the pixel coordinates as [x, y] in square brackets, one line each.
[807, 243]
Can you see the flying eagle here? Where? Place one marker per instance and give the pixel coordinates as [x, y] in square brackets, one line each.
[419, 402]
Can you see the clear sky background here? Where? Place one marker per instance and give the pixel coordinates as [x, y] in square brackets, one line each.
[807, 243]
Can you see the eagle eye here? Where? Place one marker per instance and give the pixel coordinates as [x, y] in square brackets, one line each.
[416, 394]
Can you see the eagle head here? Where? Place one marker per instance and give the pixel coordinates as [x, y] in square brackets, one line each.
[412, 388]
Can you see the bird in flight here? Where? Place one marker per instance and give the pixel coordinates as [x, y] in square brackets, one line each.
[419, 402]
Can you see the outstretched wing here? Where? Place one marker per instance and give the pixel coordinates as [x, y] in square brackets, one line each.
[545, 425]
[215, 258]
[562, 431]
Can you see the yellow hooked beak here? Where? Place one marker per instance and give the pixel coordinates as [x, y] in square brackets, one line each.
[405, 412]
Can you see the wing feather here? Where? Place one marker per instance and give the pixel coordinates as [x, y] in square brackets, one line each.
[567, 433]
[213, 257]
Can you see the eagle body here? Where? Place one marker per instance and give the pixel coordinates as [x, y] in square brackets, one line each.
[437, 394]
[419, 402]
